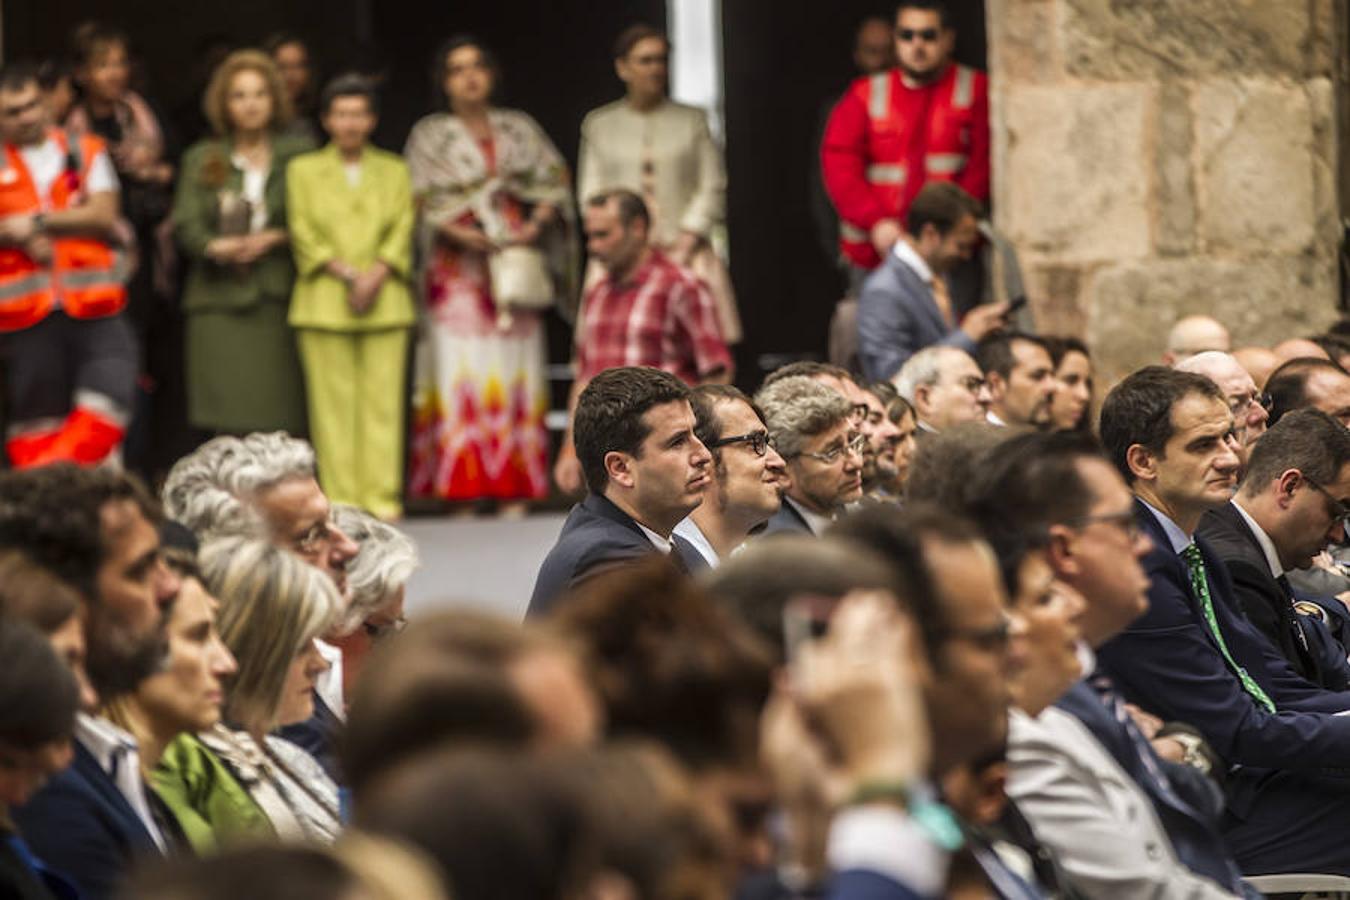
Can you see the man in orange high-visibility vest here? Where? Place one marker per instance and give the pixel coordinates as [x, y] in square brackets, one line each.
[70, 356]
[893, 132]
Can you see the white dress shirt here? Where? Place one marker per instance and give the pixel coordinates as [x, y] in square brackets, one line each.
[694, 535]
[116, 753]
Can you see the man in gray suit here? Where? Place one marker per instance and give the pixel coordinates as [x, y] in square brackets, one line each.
[905, 305]
[813, 429]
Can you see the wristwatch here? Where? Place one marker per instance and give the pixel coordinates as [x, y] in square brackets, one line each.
[1191, 753]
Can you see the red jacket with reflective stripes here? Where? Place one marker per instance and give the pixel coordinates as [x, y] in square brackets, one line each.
[885, 139]
[85, 274]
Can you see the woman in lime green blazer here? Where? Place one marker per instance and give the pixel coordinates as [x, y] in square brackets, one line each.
[351, 220]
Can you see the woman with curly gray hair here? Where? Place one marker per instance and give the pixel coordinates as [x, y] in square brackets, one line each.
[376, 580]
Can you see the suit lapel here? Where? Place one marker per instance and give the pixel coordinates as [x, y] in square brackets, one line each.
[91, 773]
[919, 288]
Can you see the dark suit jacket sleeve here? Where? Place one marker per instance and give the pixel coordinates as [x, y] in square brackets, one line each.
[73, 837]
[1330, 653]
[1167, 664]
[863, 884]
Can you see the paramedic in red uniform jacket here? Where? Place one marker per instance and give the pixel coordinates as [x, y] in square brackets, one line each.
[890, 133]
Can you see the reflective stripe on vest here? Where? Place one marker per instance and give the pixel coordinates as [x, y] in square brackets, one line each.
[95, 276]
[944, 163]
[879, 95]
[853, 233]
[964, 92]
[885, 173]
[22, 287]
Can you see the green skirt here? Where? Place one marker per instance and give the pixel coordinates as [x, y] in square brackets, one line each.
[243, 371]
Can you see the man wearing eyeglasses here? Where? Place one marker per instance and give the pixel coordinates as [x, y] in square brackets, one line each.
[893, 132]
[945, 386]
[1195, 657]
[815, 431]
[748, 475]
[1290, 506]
[1250, 407]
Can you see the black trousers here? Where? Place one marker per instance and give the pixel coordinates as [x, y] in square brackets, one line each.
[59, 359]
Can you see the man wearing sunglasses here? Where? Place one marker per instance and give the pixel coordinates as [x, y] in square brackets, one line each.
[893, 132]
[748, 475]
[1290, 506]
[815, 431]
[1195, 657]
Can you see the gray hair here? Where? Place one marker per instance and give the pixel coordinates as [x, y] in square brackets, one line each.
[798, 407]
[1209, 363]
[923, 369]
[210, 489]
[272, 605]
[385, 561]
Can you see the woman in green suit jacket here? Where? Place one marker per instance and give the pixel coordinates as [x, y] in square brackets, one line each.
[230, 218]
[351, 221]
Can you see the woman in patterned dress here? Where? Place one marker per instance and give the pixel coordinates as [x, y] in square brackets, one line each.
[483, 178]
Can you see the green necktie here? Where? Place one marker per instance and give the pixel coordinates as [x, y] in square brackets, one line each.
[1200, 586]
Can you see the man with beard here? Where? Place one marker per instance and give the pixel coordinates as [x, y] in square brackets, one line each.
[97, 530]
[814, 429]
[1021, 379]
[747, 473]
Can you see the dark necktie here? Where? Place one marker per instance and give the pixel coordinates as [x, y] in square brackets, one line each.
[1294, 621]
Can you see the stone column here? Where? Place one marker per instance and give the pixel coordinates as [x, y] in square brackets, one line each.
[1154, 158]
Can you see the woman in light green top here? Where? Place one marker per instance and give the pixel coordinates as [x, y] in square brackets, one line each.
[184, 697]
[350, 210]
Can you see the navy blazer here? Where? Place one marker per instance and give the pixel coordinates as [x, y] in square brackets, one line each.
[81, 826]
[864, 884]
[598, 534]
[1169, 663]
[898, 317]
[1265, 602]
[1180, 795]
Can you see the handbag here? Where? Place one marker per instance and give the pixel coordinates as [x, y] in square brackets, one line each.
[520, 279]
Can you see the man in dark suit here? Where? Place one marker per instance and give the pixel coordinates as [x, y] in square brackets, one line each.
[95, 529]
[1290, 506]
[905, 305]
[1193, 657]
[1059, 485]
[645, 471]
[815, 432]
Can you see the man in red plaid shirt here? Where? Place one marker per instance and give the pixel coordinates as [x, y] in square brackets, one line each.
[645, 311]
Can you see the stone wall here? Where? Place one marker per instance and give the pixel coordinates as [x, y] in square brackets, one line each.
[1154, 158]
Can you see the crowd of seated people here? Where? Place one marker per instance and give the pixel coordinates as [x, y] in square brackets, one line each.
[955, 624]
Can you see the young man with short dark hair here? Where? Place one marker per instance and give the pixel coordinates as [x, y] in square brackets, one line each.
[645, 470]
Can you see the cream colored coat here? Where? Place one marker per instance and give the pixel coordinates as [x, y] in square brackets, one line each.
[689, 180]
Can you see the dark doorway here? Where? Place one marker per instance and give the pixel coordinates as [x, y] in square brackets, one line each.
[784, 63]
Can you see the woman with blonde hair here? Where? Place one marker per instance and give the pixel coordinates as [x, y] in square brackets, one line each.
[243, 373]
[273, 607]
[166, 710]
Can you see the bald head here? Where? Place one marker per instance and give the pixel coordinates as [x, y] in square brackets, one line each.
[1239, 389]
[1195, 334]
[1299, 348]
[1258, 361]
